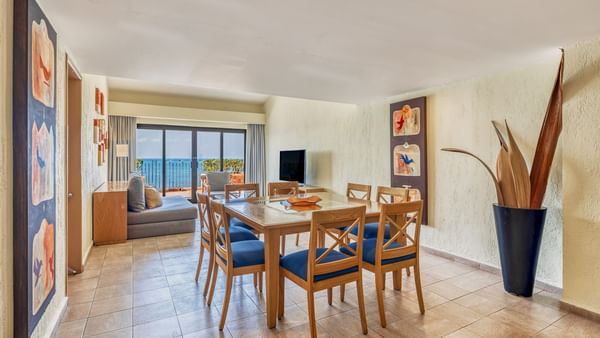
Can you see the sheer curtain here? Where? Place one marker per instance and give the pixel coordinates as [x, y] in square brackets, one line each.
[255, 156]
[121, 131]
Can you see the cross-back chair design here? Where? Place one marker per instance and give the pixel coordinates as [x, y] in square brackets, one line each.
[284, 188]
[391, 194]
[381, 255]
[358, 191]
[241, 191]
[206, 238]
[234, 258]
[319, 267]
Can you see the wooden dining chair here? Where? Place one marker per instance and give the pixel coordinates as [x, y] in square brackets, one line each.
[284, 188]
[242, 191]
[381, 255]
[358, 191]
[234, 258]
[207, 240]
[320, 268]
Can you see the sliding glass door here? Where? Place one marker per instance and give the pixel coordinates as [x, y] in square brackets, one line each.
[172, 158]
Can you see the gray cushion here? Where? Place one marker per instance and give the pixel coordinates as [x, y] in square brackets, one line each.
[217, 180]
[160, 228]
[174, 208]
[136, 200]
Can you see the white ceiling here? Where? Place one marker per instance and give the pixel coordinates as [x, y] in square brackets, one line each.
[336, 50]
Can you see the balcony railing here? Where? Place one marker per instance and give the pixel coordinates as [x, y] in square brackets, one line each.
[179, 171]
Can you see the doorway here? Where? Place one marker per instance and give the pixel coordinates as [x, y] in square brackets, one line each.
[73, 100]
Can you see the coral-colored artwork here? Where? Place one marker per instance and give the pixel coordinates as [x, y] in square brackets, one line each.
[407, 160]
[42, 64]
[406, 121]
[42, 164]
[42, 267]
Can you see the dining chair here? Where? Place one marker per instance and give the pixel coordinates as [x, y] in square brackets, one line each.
[381, 255]
[284, 188]
[319, 268]
[384, 195]
[234, 258]
[358, 191]
[236, 233]
[247, 191]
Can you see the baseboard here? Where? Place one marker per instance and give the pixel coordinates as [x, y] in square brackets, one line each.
[580, 311]
[59, 318]
[485, 267]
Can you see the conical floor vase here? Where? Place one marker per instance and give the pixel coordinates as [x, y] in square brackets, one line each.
[519, 234]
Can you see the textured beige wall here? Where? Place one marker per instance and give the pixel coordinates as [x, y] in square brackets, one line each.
[351, 143]
[581, 176]
[6, 318]
[92, 175]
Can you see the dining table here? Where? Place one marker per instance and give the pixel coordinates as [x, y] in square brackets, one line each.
[274, 217]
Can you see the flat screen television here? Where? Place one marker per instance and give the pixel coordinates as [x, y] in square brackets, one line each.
[292, 165]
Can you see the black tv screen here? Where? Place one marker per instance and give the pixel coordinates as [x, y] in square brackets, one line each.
[292, 165]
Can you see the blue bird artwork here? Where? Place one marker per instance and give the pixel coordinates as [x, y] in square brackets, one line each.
[37, 270]
[40, 159]
[406, 159]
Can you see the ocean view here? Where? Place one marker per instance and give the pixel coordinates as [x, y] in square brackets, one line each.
[179, 171]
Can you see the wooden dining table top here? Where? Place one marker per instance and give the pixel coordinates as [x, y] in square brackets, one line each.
[276, 212]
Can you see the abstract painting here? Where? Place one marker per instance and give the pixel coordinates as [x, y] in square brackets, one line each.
[34, 157]
[408, 148]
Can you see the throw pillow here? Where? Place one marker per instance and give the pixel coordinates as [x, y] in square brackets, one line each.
[135, 194]
[153, 198]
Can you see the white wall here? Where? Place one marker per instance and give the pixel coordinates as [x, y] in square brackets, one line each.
[92, 175]
[581, 176]
[347, 143]
[6, 172]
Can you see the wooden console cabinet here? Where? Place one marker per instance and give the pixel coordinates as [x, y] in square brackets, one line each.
[110, 213]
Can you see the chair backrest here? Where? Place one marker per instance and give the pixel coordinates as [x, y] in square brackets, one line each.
[222, 239]
[391, 195]
[205, 218]
[399, 216]
[324, 221]
[282, 188]
[217, 180]
[358, 191]
[241, 191]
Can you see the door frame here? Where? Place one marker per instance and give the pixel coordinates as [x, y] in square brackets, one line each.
[194, 156]
[74, 260]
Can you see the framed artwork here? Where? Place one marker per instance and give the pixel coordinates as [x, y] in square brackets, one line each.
[34, 154]
[408, 147]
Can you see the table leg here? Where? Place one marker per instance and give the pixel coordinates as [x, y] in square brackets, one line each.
[272, 274]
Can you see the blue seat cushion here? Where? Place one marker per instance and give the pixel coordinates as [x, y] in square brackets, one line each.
[238, 223]
[237, 234]
[297, 263]
[371, 231]
[369, 246]
[246, 253]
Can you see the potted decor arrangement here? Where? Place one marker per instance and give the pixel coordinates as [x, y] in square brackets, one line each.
[519, 215]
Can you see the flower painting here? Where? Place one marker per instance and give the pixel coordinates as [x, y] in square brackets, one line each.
[407, 160]
[42, 64]
[406, 121]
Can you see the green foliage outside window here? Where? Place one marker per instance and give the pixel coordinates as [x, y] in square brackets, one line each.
[229, 164]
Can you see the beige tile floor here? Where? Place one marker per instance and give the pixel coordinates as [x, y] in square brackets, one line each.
[146, 288]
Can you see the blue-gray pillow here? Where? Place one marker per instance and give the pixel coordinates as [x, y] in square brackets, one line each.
[135, 194]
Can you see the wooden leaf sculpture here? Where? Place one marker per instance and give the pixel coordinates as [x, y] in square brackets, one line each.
[504, 172]
[520, 174]
[496, 185]
[547, 141]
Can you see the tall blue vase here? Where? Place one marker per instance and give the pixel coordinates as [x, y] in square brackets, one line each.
[519, 233]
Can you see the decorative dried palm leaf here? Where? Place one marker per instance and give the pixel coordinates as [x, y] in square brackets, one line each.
[547, 141]
[520, 173]
[504, 173]
[496, 185]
